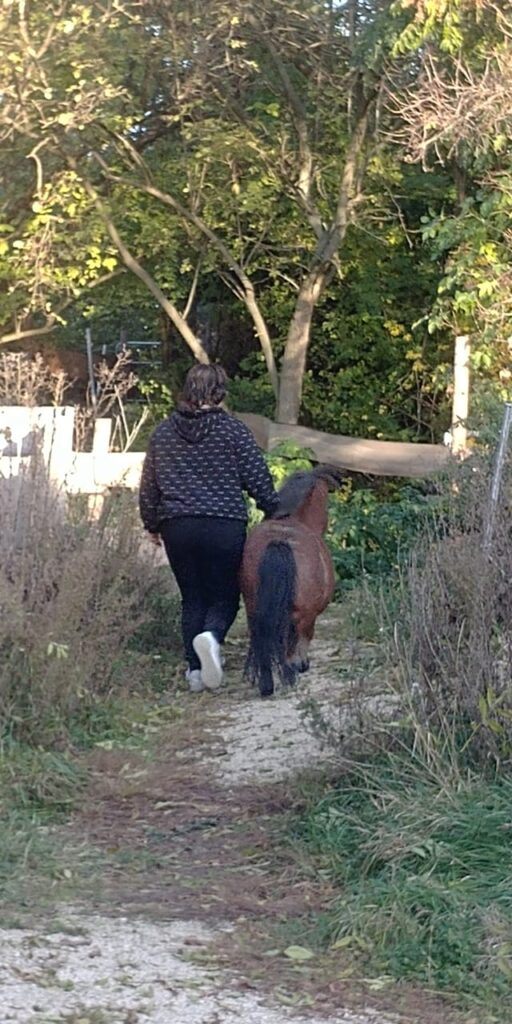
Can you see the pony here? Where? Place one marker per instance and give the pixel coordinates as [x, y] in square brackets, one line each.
[287, 578]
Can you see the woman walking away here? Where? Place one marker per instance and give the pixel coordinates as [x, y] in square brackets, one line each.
[199, 462]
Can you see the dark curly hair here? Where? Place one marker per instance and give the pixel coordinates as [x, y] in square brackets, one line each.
[204, 385]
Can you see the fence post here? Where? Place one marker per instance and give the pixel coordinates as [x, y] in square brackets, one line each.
[497, 476]
[58, 443]
[460, 393]
[101, 436]
[90, 365]
[100, 448]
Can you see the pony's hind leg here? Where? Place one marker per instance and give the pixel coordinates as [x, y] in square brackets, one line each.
[289, 674]
[300, 658]
[289, 669]
[302, 655]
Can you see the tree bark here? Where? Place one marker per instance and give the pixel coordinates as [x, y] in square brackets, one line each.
[293, 365]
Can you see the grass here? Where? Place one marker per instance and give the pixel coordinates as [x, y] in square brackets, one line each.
[424, 875]
[40, 788]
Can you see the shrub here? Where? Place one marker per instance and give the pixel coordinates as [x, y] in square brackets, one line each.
[370, 536]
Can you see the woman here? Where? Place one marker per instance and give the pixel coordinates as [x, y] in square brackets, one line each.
[199, 463]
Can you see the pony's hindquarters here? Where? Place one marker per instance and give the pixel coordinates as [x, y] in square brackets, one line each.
[270, 620]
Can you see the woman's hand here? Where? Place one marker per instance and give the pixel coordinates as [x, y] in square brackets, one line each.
[155, 539]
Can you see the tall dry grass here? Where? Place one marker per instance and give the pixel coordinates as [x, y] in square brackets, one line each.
[452, 638]
[73, 594]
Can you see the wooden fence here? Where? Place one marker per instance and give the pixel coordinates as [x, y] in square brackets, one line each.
[24, 430]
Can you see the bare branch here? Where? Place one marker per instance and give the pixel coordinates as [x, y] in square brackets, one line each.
[447, 108]
[193, 290]
[132, 264]
[247, 291]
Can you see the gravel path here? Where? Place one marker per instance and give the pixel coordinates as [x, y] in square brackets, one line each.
[268, 741]
[91, 969]
[99, 970]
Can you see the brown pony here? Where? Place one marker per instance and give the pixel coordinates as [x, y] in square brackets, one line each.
[287, 578]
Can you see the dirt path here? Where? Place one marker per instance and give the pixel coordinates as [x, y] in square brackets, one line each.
[190, 907]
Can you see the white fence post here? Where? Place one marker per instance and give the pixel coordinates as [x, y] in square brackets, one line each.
[101, 436]
[58, 443]
[460, 394]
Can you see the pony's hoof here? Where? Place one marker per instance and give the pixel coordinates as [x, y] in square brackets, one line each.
[290, 675]
[267, 696]
[303, 665]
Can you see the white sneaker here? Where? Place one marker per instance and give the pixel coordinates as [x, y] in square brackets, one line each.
[207, 649]
[194, 680]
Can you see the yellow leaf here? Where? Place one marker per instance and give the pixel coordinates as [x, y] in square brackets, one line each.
[298, 953]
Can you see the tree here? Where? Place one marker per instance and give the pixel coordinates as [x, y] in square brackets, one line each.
[457, 114]
[253, 128]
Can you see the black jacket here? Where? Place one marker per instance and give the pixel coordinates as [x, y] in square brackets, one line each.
[198, 464]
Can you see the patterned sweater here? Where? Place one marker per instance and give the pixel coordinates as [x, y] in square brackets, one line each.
[198, 464]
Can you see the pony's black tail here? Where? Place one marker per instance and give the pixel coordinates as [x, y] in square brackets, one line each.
[271, 626]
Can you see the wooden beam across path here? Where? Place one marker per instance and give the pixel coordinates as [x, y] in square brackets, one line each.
[96, 471]
[358, 454]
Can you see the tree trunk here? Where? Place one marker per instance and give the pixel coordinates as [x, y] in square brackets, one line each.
[294, 360]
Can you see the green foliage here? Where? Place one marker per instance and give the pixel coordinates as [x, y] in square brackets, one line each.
[474, 293]
[369, 536]
[286, 458]
[422, 874]
[251, 389]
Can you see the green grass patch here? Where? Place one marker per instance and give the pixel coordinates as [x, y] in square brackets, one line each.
[43, 782]
[424, 874]
[38, 789]
[117, 722]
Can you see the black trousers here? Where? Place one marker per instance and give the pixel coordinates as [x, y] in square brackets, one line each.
[205, 554]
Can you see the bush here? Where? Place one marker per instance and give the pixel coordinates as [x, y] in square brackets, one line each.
[369, 536]
[416, 840]
[72, 597]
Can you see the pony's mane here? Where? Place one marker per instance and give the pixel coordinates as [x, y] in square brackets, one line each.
[299, 485]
